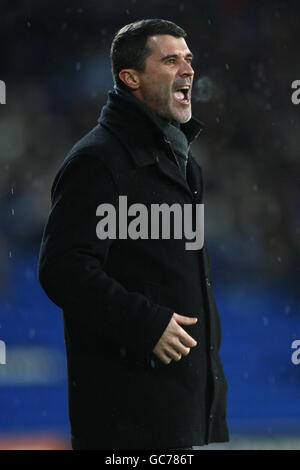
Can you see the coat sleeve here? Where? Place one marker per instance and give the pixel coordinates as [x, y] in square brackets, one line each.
[72, 261]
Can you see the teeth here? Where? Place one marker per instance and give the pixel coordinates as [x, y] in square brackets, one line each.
[186, 87]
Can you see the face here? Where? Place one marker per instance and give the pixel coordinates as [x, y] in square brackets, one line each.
[166, 83]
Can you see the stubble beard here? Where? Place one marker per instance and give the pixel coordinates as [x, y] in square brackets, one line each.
[166, 112]
[160, 103]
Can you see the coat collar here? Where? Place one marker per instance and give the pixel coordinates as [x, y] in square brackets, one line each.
[130, 114]
[134, 124]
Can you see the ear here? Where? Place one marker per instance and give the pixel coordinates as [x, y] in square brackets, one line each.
[130, 78]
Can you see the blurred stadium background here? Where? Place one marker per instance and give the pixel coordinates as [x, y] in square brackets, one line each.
[55, 63]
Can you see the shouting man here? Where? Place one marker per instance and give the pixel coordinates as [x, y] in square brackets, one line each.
[141, 325]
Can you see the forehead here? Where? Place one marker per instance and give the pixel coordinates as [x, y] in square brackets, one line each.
[164, 44]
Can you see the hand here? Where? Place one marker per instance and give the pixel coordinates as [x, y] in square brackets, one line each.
[175, 341]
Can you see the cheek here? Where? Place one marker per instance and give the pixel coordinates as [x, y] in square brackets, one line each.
[152, 87]
[160, 90]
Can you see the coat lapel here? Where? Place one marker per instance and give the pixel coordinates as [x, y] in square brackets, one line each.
[170, 169]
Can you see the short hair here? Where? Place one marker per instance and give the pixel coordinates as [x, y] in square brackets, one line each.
[129, 47]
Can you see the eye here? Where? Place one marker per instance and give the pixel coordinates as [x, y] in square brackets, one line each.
[171, 61]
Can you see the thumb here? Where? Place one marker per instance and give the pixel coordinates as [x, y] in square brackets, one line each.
[183, 320]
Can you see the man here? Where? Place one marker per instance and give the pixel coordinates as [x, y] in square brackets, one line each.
[141, 326]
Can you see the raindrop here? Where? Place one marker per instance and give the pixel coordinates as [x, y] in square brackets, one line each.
[266, 321]
[78, 66]
[209, 21]
[227, 66]
[31, 333]
[287, 309]
[13, 212]
[181, 7]
[28, 24]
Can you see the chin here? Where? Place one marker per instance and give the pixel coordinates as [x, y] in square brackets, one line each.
[186, 119]
[182, 117]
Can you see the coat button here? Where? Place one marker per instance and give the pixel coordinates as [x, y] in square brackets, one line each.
[195, 192]
[210, 416]
[208, 282]
[211, 348]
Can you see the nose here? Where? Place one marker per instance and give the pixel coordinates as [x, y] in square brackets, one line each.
[186, 69]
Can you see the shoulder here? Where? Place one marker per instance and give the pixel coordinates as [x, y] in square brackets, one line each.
[96, 156]
[100, 144]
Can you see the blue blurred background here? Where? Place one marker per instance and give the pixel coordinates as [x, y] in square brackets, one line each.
[55, 63]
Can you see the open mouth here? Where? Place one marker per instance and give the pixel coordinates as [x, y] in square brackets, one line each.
[182, 94]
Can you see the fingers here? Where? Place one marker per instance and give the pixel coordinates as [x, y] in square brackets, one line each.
[186, 339]
[176, 350]
[185, 351]
[173, 354]
[165, 358]
[183, 320]
[168, 354]
[178, 347]
[175, 341]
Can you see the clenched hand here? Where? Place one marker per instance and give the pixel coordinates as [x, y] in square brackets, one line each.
[175, 341]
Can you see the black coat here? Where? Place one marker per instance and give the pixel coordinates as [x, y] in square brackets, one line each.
[118, 296]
